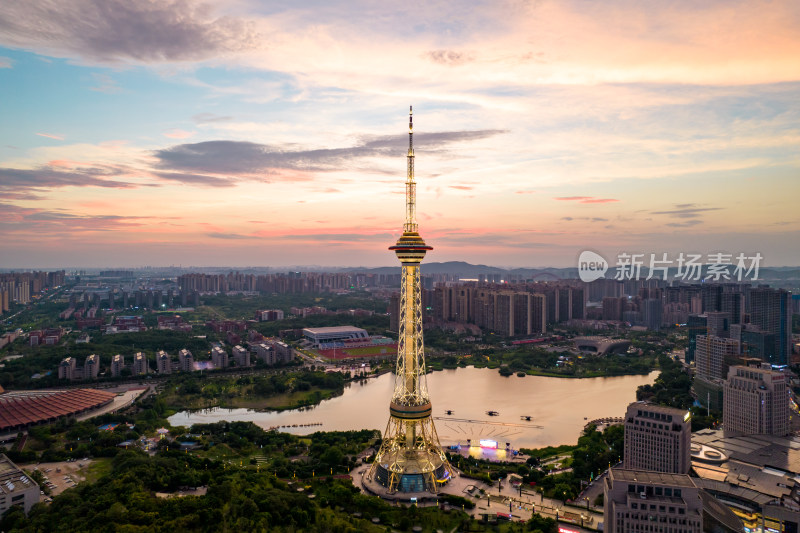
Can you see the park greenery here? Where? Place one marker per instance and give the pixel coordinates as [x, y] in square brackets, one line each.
[250, 480]
[673, 388]
[529, 360]
[276, 391]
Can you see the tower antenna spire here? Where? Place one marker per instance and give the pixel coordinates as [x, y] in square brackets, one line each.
[410, 458]
[411, 185]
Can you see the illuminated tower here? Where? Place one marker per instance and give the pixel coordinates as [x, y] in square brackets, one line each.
[410, 458]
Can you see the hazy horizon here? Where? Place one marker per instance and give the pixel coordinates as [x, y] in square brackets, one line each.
[313, 268]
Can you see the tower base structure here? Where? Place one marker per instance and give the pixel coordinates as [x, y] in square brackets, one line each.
[410, 458]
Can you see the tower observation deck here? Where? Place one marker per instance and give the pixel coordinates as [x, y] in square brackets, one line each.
[410, 458]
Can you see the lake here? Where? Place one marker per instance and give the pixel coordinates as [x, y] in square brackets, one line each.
[559, 405]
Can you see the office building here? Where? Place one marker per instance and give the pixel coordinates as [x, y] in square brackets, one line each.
[644, 501]
[758, 344]
[695, 325]
[657, 438]
[756, 401]
[770, 311]
[16, 488]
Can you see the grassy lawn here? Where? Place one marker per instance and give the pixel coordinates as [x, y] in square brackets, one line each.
[371, 350]
[97, 469]
[221, 452]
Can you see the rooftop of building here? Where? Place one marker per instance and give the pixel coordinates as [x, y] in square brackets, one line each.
[781, 453]
[759, 468]
[22, 408]
[653, 408]
[332, 329]
[722, 513]
[655, 478]
[12, 479]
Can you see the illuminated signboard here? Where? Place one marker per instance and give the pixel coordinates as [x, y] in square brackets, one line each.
[486, 443]
[565, 530]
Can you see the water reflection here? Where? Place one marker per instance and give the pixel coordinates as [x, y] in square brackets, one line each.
[558, 408]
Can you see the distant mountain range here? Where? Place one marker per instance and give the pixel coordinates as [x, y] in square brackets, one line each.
[468, 270]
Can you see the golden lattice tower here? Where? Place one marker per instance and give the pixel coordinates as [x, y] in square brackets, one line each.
[410, 458]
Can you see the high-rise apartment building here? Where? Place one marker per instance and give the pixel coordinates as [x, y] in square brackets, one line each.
[163, 362]
[613, 307]
[713, 356]
[651, 310]
[140, 366]
[117, 364]
[719, 323]
[241, 356]
[185, 360]
[91, 367]
[733, 303]
[219, 357]
[68, 369]
[756, 401]
[657, 438]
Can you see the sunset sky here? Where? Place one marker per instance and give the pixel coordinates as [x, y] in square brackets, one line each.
[255, 133]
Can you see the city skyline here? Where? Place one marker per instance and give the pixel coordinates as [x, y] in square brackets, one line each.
[183, 132]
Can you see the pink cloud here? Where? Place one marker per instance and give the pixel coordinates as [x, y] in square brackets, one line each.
[585, 199]
[177, 133]
[51, 136]
[65, 163]
[599, 201]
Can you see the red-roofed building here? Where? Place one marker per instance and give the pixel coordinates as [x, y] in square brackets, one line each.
[20, 410]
